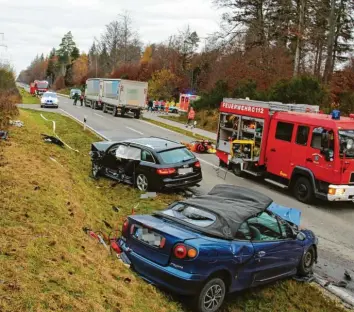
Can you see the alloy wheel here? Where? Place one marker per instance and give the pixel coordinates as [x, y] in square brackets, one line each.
[308, 260]
[213, 298]
[142, 182]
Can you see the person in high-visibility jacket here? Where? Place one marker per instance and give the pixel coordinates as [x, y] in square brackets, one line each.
[191, 116]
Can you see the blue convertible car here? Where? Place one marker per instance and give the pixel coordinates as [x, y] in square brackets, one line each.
[228, 240]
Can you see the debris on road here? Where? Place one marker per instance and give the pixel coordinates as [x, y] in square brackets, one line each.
[347, 275]
[3, 135]
[17, 123]
[148, 195]
[201, 146]
[341, 284]
[51, 139]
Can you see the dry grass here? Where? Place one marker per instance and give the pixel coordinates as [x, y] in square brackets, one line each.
[206, 119]
[8, 109]
[49, 264]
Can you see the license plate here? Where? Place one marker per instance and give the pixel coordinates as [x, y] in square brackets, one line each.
[185, 170]
[147, 236]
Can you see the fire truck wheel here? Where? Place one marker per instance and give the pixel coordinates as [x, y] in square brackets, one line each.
[303, 190]
[236, 169]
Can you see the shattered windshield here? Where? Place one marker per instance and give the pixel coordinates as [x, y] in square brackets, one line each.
[346, 143]
[191, 215]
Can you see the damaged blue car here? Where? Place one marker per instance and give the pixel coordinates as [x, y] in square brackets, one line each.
[231, 239]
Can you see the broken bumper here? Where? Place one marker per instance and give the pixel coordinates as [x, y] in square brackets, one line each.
[340, 193]
[177, 281]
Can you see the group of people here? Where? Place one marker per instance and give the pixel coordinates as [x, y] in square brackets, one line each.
[77, 97]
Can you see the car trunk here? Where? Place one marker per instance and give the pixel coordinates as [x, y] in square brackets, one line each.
[153, 238]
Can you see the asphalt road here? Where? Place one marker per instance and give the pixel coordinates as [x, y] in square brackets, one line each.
[333, 223]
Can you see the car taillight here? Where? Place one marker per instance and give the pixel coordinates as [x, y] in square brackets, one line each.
[197, 164]
[182, 251]
[166, 171]
[125, 228]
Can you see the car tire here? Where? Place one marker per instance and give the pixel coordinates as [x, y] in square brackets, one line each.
[142, 182]
[212, 296]
[307, 261]
[236, 169]
[95, 170]
[303, 190]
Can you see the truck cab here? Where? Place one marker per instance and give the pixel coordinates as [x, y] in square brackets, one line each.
[292, 146]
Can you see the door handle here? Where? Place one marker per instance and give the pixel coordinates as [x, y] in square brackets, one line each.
[273, 150]
[309, 159]
[261, 254]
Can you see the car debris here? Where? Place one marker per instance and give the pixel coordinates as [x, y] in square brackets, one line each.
[115, 209]
[201, 146]
[341, 284]
[17, 123]
[304, 279]
[51, 139]
[3, 135]
[347, 275]
[107, 224]
[148, 195]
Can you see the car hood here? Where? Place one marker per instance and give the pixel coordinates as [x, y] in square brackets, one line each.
[289, 214]
[102, 146]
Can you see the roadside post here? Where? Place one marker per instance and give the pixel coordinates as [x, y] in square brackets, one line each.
[85, 123]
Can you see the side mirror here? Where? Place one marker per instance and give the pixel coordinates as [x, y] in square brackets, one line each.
[300, 236]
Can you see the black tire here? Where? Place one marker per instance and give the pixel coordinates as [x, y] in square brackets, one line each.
[214, 291]
[307, 261]
[137, 114]
[142, 182]
[303, 190]
[236, 169]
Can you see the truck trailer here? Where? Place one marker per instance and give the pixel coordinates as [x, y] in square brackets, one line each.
[292, 146]
[92, 92]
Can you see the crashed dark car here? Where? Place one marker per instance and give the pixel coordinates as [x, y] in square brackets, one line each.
[231, 239]
[148, 163]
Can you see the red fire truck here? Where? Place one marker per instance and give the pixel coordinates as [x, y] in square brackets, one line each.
[292, 146]
[39, 87]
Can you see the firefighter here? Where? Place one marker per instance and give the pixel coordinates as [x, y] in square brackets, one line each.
[191, 116]
[76, 97]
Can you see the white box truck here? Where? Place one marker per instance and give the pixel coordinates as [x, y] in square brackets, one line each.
[123, 96]
[92, 92]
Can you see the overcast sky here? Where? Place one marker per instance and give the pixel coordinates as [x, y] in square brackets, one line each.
[35, 27]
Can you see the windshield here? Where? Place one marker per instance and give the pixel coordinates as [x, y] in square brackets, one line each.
[176, 156]
[191, 215]
[42, 85]
[75, 91]
[53, 95]
[346, 143]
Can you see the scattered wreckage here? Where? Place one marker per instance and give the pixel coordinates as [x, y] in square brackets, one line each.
[180, 248]
[147, 163]
[201, 146]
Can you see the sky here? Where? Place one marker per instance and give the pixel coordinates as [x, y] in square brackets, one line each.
[35, 27]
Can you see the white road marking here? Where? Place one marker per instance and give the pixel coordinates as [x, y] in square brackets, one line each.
[135, 130]
[92, 129]
[98, 115]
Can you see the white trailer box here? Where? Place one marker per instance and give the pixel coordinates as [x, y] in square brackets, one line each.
[92, 92]
[123, 95]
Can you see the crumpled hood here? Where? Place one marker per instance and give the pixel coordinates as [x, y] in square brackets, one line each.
[289, 214]
[101, 146]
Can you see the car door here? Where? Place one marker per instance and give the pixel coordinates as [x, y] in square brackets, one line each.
[110, 160]
[276, 254]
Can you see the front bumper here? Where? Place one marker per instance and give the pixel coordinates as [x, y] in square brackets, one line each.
[177, 281]
[341, 193]
[49, 105]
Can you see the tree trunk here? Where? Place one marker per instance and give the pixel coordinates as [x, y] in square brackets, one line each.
[330, 44]
[301, 12]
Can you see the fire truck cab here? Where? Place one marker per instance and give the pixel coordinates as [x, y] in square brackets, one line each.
[291, 146]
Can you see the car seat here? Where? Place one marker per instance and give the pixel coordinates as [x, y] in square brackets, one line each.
[256, 234]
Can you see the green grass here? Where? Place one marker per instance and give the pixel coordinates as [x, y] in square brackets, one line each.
[27, 98]
[65, 91]
[176, 129]
[49, 264]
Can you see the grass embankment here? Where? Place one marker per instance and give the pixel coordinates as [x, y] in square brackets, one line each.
[206, 119]
[49, 264]
[28, 98]
[176, 129]
[65, 91]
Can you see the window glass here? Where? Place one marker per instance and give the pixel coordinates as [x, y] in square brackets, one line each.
[264, 227]
[302, 135]
[190, 214]
[244, 232]
[284, 131]
[316, 141]
[147, 156]
[176, 155]
[128, 152]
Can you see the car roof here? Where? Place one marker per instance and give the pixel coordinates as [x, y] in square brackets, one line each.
[49, 92]
[232, 206]
[155, 143]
